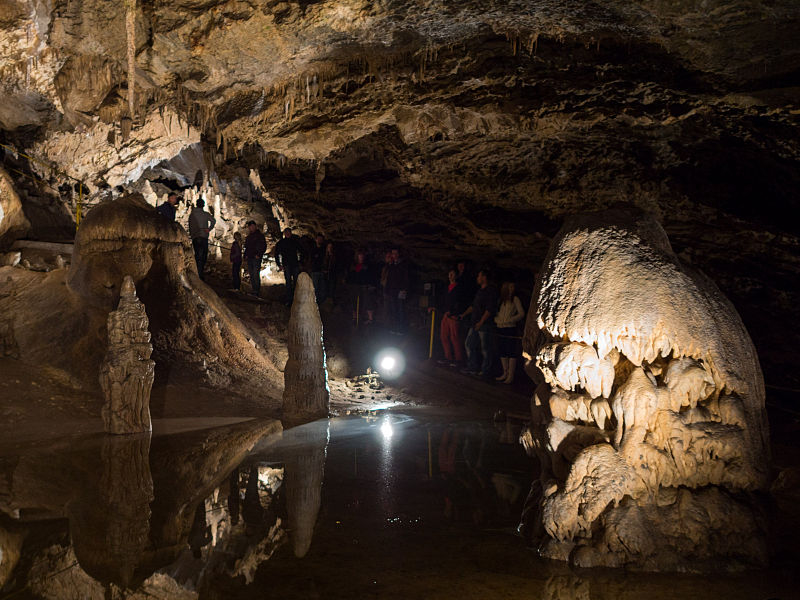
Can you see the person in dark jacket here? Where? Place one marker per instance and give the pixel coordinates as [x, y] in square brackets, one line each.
[317, 265]
[236, 262]
[167, 209]
[289, 253]
[397, 292]
[255, 245]
[481, 332]
[200, 225]
[454, 305]
[361, 284]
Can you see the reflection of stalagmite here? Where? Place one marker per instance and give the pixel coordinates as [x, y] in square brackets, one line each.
[306, 448]
[127, 372]
[649, 419]
[110, 522]
[305, 395]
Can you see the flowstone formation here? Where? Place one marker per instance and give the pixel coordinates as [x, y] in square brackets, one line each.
[305, 393]
[127, 374]
[649, 416]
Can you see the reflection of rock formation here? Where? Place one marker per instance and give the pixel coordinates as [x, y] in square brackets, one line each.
[650, 419]
[305, 450]
[110, 521]
[129, 514]
[127, 373]
[305, 395]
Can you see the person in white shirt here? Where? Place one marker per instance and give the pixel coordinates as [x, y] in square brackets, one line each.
[509, 314]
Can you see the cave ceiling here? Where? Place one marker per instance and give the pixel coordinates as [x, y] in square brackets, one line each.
[448, 127]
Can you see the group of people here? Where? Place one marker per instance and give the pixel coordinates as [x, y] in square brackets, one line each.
[481, 324]
[291, 257]
[201, 223]
[364, 282]
[478, 321]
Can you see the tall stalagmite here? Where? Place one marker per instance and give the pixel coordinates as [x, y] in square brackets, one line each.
[127, 372]
[305, 394]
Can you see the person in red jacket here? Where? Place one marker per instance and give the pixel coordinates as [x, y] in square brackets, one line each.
[236, 262]
[454, 305]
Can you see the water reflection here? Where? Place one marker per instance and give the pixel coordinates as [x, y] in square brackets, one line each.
[380, 505]
[109, 519]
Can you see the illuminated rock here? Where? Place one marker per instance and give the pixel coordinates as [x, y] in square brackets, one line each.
[650, 418]
[126, 376]
[305, 394]
[13, 223]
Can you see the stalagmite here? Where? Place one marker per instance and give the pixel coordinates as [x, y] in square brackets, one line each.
[656, 442]
[305, 394]
[127, 373]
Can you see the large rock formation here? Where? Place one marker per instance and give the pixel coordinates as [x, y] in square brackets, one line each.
[189, 323]
[305, 394]
[127, 372]
[650, 417]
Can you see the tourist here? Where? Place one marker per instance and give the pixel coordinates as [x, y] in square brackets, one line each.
[397, 292]
[361, 286]
[466, 278]
[479, 337]
[236, 262]
[329, 272]
[289, 253]
[509, 314]
[200, 225]
[255, 245]
[167, 209]
[317, 265]
[454, 305]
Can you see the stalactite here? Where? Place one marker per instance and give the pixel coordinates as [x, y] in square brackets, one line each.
[130, 30]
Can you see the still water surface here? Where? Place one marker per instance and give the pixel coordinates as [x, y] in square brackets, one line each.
[381, 506]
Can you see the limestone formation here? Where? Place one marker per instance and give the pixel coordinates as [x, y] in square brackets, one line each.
[649, 417]
[305, 394]
[126, 376]
[13, 223]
